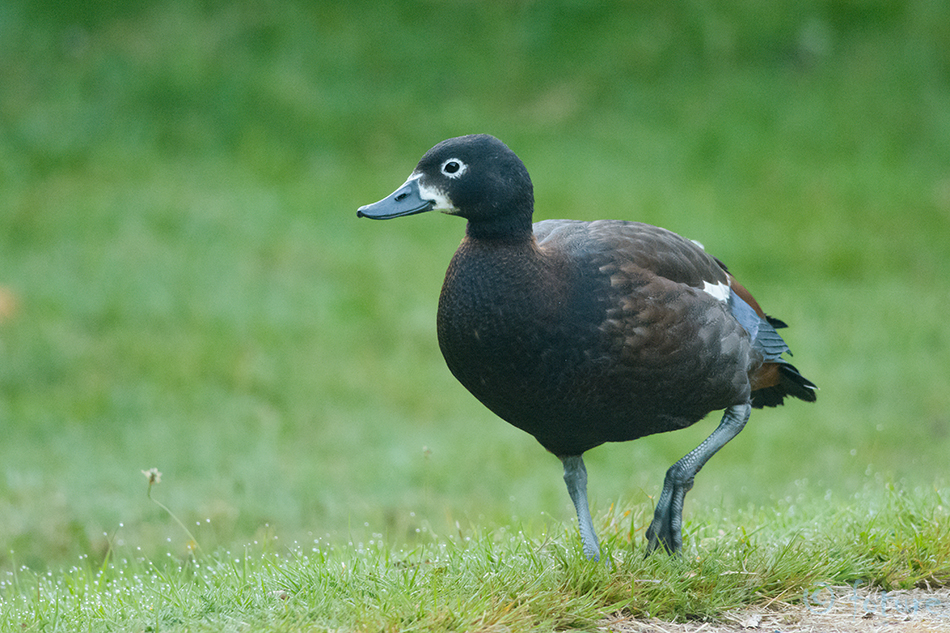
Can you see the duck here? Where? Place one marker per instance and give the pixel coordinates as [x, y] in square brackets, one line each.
[582, 333]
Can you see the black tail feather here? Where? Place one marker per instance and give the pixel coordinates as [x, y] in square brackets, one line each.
[791, 383]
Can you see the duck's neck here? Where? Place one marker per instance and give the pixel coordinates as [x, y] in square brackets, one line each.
[511, 229]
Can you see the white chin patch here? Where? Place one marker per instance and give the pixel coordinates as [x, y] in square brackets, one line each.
[719, 291]
[436, 195]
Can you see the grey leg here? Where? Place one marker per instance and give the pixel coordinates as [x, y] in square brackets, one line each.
[666, 530]
[575, 476]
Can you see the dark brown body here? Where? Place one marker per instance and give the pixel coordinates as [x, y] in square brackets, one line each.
[575, 338]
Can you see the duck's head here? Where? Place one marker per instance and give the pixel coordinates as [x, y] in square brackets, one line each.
[475, 177]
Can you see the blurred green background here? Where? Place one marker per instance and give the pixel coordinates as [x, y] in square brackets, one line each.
[184, 283]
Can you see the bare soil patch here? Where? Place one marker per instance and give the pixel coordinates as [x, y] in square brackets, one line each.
[828, 610]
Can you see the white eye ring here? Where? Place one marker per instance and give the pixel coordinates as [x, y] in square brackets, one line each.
[453, 168]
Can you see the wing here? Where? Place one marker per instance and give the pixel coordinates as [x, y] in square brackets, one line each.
[627, 250]
[651, 248]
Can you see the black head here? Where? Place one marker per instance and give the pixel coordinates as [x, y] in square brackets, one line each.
[476, 177]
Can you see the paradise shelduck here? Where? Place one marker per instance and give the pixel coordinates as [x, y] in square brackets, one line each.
[582, 333]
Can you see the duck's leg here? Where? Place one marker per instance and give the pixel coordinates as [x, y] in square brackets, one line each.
[666, 530]
[575, 476]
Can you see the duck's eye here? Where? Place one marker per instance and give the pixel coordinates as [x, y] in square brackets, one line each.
[453, 168]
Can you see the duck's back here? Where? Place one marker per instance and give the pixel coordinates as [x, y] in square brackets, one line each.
[593, 332]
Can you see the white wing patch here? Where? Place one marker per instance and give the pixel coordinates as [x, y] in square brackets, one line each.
[719, 291]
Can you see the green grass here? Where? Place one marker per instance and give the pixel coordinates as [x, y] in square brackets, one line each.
[192, 290]
[521, 577]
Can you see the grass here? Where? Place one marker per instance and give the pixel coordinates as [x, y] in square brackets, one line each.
[518, 577]
[184, 284]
